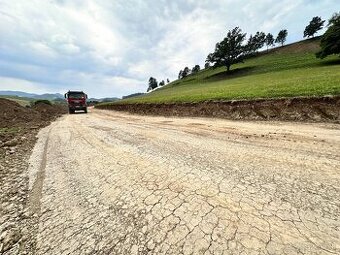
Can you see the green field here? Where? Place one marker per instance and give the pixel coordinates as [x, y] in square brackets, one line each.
[23, 101]
[288, 71]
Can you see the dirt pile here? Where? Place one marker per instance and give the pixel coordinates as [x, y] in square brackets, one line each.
[324, 109]
[50, 111]
[13, 114]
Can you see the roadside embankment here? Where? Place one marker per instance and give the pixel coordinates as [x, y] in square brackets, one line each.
[18, 129]
[321, 109]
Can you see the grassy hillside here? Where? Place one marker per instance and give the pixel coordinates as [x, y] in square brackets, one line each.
[23, 101]
[287, 71]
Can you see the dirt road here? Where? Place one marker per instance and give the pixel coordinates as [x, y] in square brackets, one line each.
[113, 183]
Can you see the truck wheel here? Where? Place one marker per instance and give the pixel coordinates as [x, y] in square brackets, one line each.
[70, 111]
[85, 110]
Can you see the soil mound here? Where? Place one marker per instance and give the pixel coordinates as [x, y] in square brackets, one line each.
[13, 114]
[48, 111]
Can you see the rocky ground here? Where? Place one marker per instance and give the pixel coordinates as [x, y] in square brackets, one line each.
[18, 129]
[114, 183]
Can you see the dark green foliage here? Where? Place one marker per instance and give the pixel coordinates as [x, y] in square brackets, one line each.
[167, 80]
[330, 41]
[186, 71]
[335, 19]
[281, 37]
[255, 42]
[269, 40]
[314, 26]
[180, 74]
[152, 84]
[206, 65]
[196, 69]
[41, 101]
[229, 51]
[162, 83]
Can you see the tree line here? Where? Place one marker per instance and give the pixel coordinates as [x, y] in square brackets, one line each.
[234, 48]
[153, 83]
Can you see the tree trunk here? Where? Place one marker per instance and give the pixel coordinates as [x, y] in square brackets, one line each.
[228, 68]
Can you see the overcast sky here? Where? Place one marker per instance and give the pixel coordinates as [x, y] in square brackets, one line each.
[111, 47]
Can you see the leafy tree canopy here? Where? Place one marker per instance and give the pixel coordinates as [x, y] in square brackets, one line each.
[229, 51]
[152, 84]
[281, 37]
[269, 40]
[330, 41]
[186, 71]
[314, 26]
[196, 69]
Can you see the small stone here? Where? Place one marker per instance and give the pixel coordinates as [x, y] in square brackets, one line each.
[134, 249]
[8, 238]
[12, 142]
[151, 245]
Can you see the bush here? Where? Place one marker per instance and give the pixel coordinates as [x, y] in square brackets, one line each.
[41, 101]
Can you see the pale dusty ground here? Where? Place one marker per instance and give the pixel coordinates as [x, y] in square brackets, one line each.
[113, 183]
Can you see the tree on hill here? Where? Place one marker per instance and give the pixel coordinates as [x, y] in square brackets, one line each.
[269, 40]
[281, 37]
[260, 40]
[180, 74]
[249, 48]
[152, 84]
[167, 80]
[195, 69]
[206, 65]
[229, 51]
[314, 26]
[162, 83]
[186, 72]
[330, 41]
[255, 43]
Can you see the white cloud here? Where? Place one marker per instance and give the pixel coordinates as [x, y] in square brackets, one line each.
[111, 48]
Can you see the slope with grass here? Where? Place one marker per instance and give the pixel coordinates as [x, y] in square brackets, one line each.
[289, 71]
[23, 101]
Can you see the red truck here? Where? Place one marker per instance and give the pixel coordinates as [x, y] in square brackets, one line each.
[76, 100]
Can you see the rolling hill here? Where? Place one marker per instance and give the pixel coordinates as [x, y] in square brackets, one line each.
[288, 71]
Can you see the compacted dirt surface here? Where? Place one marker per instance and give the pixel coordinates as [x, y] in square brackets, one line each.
[112, 183]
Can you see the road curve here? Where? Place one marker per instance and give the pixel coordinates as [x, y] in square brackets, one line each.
[114, 183]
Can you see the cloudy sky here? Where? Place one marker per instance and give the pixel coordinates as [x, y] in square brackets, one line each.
[111, 47]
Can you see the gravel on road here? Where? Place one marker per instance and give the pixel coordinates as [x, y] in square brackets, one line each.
[113, 183]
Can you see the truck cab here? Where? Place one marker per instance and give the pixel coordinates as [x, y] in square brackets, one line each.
[76, 100]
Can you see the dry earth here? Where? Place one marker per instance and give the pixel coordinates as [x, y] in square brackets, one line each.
[18, 129]
[114, 183]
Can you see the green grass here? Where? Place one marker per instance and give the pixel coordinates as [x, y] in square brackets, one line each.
[23, 101]
[289, 71]
[11, 130]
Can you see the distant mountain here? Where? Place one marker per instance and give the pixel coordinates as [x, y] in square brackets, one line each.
[31, 95]
[55, 97]
[133, 95]
[106, 99]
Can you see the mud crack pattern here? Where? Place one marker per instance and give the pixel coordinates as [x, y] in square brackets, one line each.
[115, 183]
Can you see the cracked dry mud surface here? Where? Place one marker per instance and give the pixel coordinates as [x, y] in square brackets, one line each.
[114, 183]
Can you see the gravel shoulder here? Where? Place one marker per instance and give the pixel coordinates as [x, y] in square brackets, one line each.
[114, 183]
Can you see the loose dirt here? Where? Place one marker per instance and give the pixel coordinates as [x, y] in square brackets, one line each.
[18, 129]
[325, 109]
[115, 183]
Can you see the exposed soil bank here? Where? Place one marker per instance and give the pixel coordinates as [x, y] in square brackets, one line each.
[292, 109]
